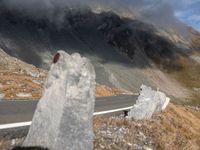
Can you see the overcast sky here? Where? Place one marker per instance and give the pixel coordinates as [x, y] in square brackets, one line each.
[187, 11]
[157, 11]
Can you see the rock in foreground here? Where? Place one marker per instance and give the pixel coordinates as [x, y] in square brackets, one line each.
[148, 103]
[63, 118]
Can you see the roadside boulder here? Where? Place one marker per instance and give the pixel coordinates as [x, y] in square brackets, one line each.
[63, 118]
[148, 102]
[1, 96]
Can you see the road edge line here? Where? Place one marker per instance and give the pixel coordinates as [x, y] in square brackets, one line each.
[15, 125]
[23, 124]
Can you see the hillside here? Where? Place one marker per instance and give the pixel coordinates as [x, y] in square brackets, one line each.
[22, 81]
[175, 128]
[195, 39]
[126, 53]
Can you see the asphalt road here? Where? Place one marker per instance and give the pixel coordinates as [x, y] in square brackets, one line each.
[22, 111]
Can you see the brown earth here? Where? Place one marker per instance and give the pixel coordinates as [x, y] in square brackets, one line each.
[103, 90]
[15, 85]
[20, 80]
[20, 86]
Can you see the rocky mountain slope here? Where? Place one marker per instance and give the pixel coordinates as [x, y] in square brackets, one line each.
[19, 80]
[195, 42]
[8, 62]
[126, 53]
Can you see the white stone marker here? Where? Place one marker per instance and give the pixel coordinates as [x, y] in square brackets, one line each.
[148, 102]
[63, 118]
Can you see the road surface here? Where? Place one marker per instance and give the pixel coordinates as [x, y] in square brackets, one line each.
[22, 111]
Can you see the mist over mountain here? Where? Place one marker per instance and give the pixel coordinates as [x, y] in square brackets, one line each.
[129, 42]
[126, 41]
[157, 12]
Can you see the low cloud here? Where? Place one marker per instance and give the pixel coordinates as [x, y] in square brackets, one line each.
[194, 18]
[157, 12]
[53, 8]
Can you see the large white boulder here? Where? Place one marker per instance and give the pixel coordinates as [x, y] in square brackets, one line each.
[148, 102]
[63, 118]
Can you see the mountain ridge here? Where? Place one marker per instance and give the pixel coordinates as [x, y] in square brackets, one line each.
[126, 53]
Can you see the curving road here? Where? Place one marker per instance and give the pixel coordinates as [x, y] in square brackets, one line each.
[22, 111]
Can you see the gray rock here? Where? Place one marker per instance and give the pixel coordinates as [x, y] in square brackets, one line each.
[148, 102]
[2, 96]
[63, 118]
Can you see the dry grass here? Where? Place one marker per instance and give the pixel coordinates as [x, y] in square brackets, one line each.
[14, 83]
[190, 72]
[189, 77]
[4, 144]
[103, 90]
[177, 128]
[7, 144]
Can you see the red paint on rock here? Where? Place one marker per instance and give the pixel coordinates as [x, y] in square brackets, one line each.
[56, 58]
